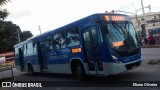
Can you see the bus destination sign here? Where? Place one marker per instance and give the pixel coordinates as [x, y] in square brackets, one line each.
[115, 18]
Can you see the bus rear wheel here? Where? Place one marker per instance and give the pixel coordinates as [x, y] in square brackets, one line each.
[30, 70]
[80, 72]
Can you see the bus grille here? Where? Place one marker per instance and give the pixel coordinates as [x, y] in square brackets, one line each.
[128, 53]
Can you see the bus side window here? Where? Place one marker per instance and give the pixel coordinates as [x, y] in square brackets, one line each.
[56, 41]
[24, 50]
[30, 48]
[59, 40]
[49, 43]
[16, 52]
[34, 47]
[73, 37]
[94, 36]
[62, 40]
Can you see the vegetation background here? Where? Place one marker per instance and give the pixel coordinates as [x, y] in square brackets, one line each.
[9, 31]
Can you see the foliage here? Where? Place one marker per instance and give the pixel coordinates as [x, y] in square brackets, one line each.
[25, 35]
[9, 31]
[3, 2]
[3, 14]
[9, 35]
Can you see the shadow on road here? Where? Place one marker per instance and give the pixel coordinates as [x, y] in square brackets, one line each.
[67, 77]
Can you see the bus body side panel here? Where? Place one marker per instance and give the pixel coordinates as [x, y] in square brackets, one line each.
[33, 60]
[59, 60]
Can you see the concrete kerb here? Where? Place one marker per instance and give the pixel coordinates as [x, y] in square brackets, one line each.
[151, 46]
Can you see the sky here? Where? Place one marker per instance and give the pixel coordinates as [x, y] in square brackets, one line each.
[52, 14]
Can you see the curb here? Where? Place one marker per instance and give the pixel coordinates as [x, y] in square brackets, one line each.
[151, 46]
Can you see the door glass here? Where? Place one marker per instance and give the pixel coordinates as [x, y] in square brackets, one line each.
[89, 55]
[92, 47]
[87, 39]
[94, 38]
[96, 51]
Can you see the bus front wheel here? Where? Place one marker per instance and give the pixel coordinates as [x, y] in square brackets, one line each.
[80, 72]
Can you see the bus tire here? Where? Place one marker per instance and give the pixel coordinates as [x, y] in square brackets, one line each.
[30, 70]
[80, 72]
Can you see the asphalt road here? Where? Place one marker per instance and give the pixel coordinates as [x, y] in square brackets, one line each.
[146, 72]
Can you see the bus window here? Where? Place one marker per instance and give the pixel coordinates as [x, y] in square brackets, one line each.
[101, 37]
[49, 43]
[16, 52]
[34, 47]
[62, 40]
[30, 48]
[24, 50]
[59, 40]
[56, 41]
[94, 36]
[73, 38]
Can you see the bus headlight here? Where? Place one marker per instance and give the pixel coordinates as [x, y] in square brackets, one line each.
[116, 59]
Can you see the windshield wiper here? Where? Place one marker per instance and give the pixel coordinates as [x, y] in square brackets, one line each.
[125, 33]
[119, 27]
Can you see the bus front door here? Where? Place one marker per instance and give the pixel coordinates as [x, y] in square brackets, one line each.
[92, 48]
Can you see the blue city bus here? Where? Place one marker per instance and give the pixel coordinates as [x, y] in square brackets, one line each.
[98, 45]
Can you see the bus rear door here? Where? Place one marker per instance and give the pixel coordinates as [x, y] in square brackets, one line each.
[20, 51]
[42, 56]
[92, 48]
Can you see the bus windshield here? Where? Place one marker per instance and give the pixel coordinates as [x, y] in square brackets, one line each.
[122, 36]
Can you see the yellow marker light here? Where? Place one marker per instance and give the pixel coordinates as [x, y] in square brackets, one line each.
[107, 18]
[76, 50]
[79, 49]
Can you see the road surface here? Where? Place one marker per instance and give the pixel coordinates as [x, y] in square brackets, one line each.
[146, 72]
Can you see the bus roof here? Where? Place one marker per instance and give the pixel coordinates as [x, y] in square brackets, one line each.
[80, 21]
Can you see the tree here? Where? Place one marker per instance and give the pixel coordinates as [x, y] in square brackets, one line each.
[9, 36]
[9, 31]
[3, 2]
[3, 12]
[25, 35]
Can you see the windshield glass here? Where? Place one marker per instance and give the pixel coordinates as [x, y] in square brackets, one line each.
[122, 36]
